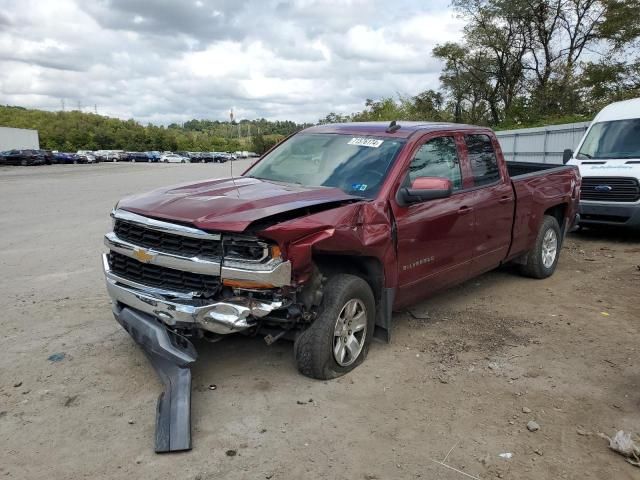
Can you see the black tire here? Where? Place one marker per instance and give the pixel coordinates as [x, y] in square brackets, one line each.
[314, 348]
[535, 266]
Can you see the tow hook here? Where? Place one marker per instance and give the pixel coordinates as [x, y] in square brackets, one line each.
[171, 356]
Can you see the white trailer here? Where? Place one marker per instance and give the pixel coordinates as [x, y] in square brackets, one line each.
[18, 139]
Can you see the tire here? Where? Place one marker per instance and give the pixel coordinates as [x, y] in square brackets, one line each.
[543, 258]
[317, 348]
[182, 161]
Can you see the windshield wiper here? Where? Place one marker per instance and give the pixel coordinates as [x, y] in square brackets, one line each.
[585, 155]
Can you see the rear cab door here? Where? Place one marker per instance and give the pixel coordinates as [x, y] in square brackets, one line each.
[492, 197]
[435, 237]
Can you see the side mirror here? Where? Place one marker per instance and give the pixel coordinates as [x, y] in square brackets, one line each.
[566, 155]
[425, 188]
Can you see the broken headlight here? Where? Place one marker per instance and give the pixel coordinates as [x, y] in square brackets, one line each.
[249, 252]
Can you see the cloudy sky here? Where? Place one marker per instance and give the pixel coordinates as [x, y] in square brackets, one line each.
[168, 61]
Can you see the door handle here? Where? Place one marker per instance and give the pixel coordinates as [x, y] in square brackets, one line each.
[505, 199]
[465, 210]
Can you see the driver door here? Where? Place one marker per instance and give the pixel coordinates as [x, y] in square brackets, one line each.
[435, 237]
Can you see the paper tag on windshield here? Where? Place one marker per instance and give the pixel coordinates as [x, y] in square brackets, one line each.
[365, 142]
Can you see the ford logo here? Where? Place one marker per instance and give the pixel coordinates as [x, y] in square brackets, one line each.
[603, 188]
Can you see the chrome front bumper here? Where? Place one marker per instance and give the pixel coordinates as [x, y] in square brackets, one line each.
[226, 316]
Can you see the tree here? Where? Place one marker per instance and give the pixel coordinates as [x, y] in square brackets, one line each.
[526, 57]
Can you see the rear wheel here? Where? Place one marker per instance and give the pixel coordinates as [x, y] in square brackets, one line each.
[543, 257]
[338, 340]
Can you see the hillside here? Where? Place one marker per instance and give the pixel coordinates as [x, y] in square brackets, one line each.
[75, 130]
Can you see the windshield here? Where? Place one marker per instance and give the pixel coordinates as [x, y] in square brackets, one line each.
[357, 165]
[616, 139]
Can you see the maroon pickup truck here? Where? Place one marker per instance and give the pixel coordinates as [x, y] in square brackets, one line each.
[321, 240]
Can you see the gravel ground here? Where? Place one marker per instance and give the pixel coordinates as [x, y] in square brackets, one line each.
[463, 376]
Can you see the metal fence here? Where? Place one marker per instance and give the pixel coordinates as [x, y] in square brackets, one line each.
[541, 144]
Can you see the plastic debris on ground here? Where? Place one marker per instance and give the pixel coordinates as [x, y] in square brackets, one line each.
[56, 357]
[622, 443]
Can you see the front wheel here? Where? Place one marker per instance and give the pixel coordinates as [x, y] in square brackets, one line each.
[338, 340]
[543, 257]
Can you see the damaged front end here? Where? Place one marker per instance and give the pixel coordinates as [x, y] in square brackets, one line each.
[169, 282]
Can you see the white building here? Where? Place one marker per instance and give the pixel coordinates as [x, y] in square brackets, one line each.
[18, 139]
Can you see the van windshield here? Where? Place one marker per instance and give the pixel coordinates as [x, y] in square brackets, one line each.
[616, 139]
[356, 164]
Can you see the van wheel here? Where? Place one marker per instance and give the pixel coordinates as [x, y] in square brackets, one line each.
[543, 258]
[338, 340]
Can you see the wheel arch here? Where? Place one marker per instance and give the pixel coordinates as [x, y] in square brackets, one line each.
[559, 212]
[371, 270]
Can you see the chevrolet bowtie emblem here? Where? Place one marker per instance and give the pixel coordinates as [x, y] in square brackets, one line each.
[143, 255]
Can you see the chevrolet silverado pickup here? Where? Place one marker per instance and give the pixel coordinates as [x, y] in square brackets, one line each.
[320, 240]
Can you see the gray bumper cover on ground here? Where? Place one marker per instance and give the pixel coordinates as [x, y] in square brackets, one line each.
[172, 363]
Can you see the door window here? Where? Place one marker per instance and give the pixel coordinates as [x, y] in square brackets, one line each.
[437, 158]
[484, 164]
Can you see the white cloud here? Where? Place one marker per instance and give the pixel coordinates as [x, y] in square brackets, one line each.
[173, 60]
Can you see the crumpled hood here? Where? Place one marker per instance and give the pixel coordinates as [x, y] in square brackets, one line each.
[228, 205]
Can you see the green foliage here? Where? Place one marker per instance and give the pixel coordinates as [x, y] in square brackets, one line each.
[261, 143]
[71, 131]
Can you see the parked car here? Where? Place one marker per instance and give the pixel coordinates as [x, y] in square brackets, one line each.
[220, 157]
[206, 157]
[174, 158]
[48, 156]
[321, 239]
[23, 157]
[66, 158]
[194, 157]
[108, 155]
[86, 156]
[154, 156]
[609, 160]
[138, 157]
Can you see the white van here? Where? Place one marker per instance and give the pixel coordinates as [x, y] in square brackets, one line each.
[609, 161]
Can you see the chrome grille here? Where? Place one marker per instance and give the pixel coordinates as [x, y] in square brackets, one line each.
[167, 242]
[610, 189]
[162, 277]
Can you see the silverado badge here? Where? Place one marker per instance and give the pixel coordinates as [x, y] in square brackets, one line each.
[143, 256]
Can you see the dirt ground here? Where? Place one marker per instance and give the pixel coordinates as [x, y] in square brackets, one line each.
[461, 378]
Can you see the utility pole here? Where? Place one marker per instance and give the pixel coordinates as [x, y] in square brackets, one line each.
[62, 103]
[95, 108]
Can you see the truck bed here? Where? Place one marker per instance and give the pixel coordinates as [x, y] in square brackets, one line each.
[536, 187]
[519, 169]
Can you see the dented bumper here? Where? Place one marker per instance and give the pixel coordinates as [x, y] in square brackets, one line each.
[229, 315]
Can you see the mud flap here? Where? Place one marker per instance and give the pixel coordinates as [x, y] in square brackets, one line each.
[171, 357]
[384, 315]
